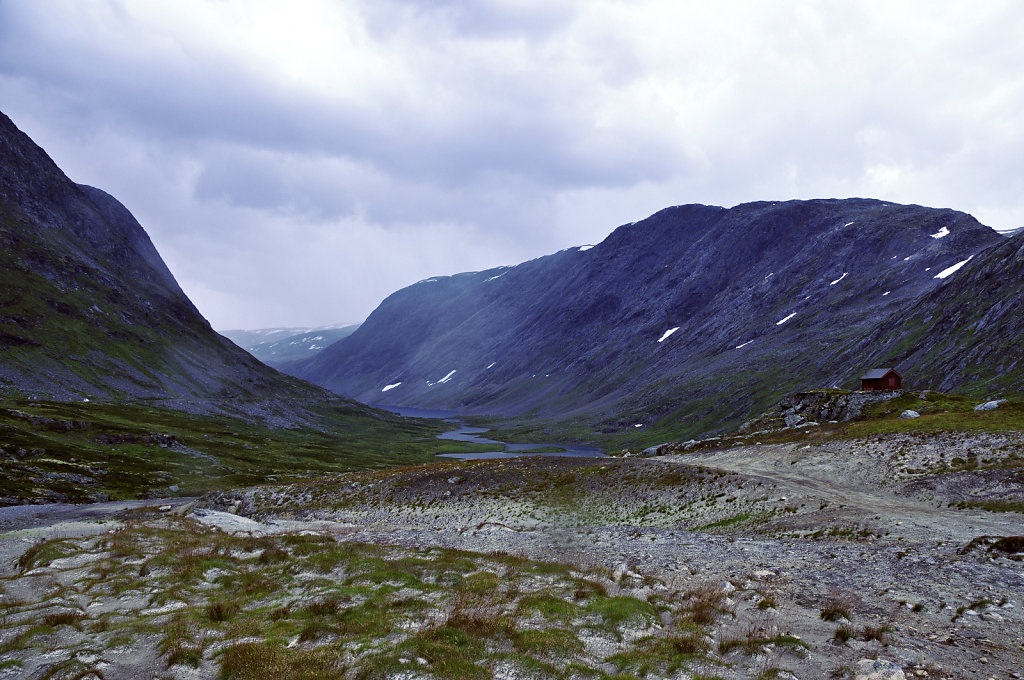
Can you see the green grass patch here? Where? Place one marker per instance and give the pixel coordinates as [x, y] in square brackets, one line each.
[116, 450]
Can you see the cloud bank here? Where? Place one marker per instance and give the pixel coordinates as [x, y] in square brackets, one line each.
[295, 163]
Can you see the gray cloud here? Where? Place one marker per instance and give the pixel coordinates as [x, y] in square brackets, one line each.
[295, 165]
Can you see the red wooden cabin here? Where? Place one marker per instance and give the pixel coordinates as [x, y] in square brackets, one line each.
[881, 379]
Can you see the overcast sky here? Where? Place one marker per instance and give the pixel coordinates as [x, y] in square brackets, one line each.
[296, 162]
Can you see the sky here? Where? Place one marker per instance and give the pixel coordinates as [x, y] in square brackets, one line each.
[295, 163]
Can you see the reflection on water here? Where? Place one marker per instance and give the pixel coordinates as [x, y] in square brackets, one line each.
[472, 435]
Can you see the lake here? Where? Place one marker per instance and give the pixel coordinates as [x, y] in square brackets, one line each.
[471, 435]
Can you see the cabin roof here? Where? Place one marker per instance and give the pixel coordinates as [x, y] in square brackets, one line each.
[876, 373]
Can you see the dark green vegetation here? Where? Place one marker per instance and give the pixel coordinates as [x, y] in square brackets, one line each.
[77, 452]
[940, 412]
[306, 606]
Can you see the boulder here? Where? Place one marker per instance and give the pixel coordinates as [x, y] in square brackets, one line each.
[989, 405]
[878, 669]
[792, 420]
[910, 414]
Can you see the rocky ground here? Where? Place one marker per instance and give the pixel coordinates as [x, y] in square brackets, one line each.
[839, 558]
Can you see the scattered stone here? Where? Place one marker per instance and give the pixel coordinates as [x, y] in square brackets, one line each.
[878, 669]
[989, 405]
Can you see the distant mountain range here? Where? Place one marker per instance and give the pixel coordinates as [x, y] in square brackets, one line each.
[280, 346]
[700, 315]
[89, 310]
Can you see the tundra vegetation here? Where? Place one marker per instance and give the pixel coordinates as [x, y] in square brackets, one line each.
[800, 552]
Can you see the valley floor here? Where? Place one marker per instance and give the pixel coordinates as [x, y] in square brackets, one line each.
[776, 560]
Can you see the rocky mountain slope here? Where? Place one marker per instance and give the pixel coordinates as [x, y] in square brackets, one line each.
[691, 319]
[966, 334]
[279, 346]
[87, 307]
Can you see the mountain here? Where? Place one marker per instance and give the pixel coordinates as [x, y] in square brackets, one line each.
[279, 346]
[87, 307]
[691, 318]
[967, 333]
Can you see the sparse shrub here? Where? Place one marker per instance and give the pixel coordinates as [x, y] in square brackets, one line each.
[480, 583]
[221, 610]
[479, 623]
[837, 606]
[450, 653]
[552, 642]
[42, 553]
[877, 633]
[65, 617]
[703, 603]
[844, 633]
[185, 655]
[323, 607]
[548, 605]
[272, 555]
[616, 611]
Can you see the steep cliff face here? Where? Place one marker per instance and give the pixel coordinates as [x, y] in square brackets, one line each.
[88, 308]
[697, 313]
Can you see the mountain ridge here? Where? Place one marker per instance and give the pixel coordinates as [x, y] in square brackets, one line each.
[89, 309]
[278, 347]
[588, 332]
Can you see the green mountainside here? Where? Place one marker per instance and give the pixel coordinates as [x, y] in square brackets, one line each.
[89, 310]
[112, 385]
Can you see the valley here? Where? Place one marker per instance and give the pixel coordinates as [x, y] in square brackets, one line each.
[708, 498]
[806, 558]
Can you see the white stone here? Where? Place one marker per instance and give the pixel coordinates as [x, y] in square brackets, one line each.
[878, 669]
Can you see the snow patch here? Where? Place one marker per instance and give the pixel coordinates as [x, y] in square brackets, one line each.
[886, 293]
[949, 271]
[495, 277]
[391, 386]
[839, 279]
[848, 224]
[770, 275]
[744, 344]
[667, 333]
[586, 247]
[785, 319]
[446, 378]
[940, 233]
[491, 365]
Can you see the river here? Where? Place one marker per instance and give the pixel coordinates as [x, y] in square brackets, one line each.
[469, 434]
